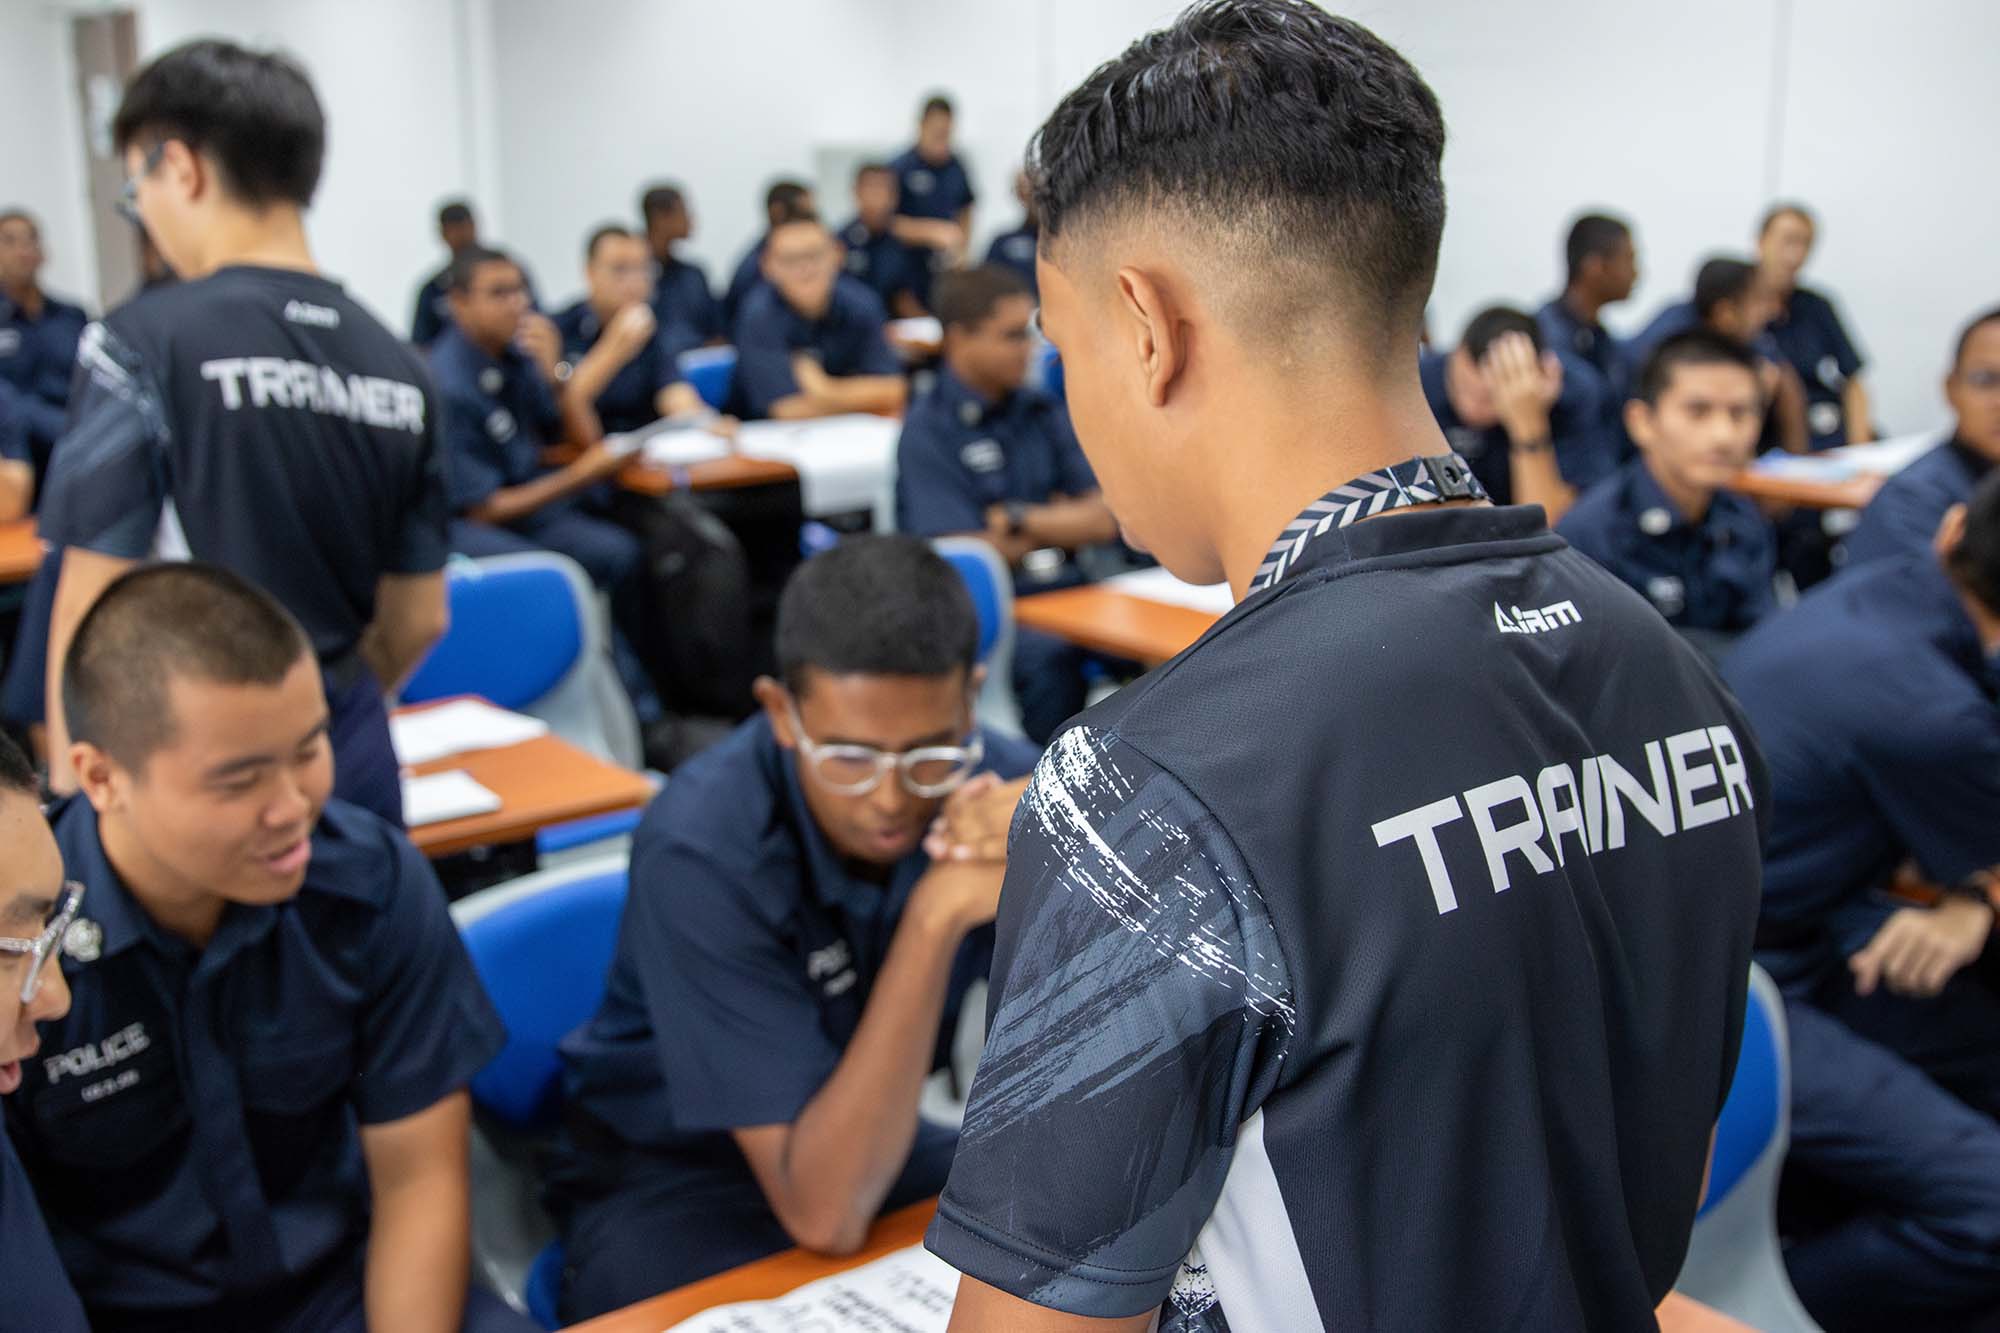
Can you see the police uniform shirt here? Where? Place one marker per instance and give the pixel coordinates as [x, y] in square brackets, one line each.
[932, 191]
[499, 415]
[959, 455]
[1585, 450]
[192, 1125]
[631, 400]
[38, 358]
[1589, 343]
[35, 1293]
[1812, 340]
[846, 340]
[1875, 706]
[13, 426]
[1714, 574]
[1904, 515]
[882, 263]
[1016, 250]
[681, 297]
[261, 420]
[1335, 956]
[748, 277]
[746, 955]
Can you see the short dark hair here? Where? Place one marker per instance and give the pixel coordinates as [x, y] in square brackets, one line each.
[13, 214]
[876, 606]
[1974, 564]
[936, 102]
[253, 112]
[1696, 347]
[1493, 323]
[964, 297]
[660, 200]
[604, 232]
[1979, 322]
[867, 169]
[17, 773]
[1783, 209]
[1593, 236]
[1269, 124]
[1721, 280]
[161, 621]
[454, 212]
[466, 264]
[797, 216]
[786, 196]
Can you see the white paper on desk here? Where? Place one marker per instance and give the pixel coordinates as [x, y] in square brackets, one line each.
[1157, 585]
[922, 329]
[843, 462]
[453, 794]
[909, 1291]
[459, 727]
[1804, 467]
[1888, 457]
[683, 446]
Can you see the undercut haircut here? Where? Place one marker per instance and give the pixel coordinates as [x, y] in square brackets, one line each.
[1974, 564]
[876, 606]
[159, 623]
[1721, 280]
[1979, 322]
[1696, 347]
[965, 298]
[1288, 143]
[17, 774]
[1593, 236]
[466, 265]
[1494, 323]
[254, 113]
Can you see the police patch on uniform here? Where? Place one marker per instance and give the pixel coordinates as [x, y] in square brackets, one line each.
[84, 940]
[1668, 594]
[491, 380]
[1654, 522]
[1824, 418]
[500, 424]
[10, 341]
[1829, 372]
[983, 456]
[920, 182]
[857, 262]
[968, 412]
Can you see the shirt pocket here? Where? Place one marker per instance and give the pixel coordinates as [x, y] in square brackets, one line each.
[116, 1135]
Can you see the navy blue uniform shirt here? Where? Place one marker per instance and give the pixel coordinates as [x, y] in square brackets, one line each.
[747, 277]
[1874, 704]
[1680, 317]
[747, 952]
[1812, 340]
[846, 340]
[1400, 926]
[13, 425]
[35, 1293]
[1016, 250]
[631, 400]
[681, 297]
[1585, 450]
[38, 358]
[259, 419]
[499, 414]
[1591, 343]
[192, 1125]
[884, 264]
[432, 315]
[929, 191]
[1904, 515]
[1714, 574]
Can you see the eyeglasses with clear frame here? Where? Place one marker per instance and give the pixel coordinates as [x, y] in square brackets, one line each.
[929, 771]
[128, 193]
[49, 944]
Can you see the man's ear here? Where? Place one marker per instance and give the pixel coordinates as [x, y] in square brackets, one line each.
[1639, 422]
[1151, 320]
[98, 775]
[1950, 531]
[776, 700]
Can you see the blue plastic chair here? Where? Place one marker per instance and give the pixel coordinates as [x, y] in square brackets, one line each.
[1052, 373]
[541, 946]
[1734, 1262]
[712, 372]
[991, 584]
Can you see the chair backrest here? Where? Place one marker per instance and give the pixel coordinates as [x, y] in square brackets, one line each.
[712, 372]
[542, 945]
[1052, 373]
[991, 584]
[1753, 1117]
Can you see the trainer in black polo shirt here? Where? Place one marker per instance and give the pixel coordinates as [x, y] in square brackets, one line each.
[254, 415]
[1378, 962]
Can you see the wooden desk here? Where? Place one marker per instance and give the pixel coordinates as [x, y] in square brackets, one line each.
[766, 1279]
[720, 474]
[1107, 621]
[20, 551]
[1853, 493]
[539, 782]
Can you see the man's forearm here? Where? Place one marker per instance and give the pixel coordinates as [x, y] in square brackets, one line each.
[1857, 411]
[510, 503]
[850, 393]
[420, 1234]
[17, 489]
[1069, 523]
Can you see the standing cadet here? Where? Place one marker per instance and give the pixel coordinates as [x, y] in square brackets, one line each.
[895, 272]
[253, 415]
[1905, 513]
[809, 341]
[1809, 333]
[783, 201]
[36, 909]
[681, 293]
[459, 232]
[254, 1115]
[38, 336]
[630, 393]
[1016, 249]
[1380, 961]
[934, 197]
[1874, 701]
[1703, 556]
[1603, 268]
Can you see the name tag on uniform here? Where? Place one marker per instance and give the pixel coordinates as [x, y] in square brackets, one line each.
[10, 341]
[832, 969]
[500, 425]
[983, 456]
[920, 182]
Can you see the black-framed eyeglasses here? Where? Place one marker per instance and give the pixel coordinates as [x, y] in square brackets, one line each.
[128, 194]
[928, 771]
[49, 944]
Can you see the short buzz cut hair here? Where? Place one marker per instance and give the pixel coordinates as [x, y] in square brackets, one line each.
[17, 774]
[1494, 323]
[660, 200]
[15, 214]
[1291, 143]
[165, 621]
[964, 297]
[1593, 236]
[935, 104]
[253, 112]
[872, 168]
[1787, 208]
[1696, 347]
[884, 605]
[604, 232]
[786, 196]
[1978, 322]
[466, 265]
[453, 212]
[1720, 280]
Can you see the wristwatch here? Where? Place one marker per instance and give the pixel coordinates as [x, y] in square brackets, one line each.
[1541, 444]
[1017, 517]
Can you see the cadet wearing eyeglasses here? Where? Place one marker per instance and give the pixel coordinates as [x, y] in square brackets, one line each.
[36, 909]
[791, 965]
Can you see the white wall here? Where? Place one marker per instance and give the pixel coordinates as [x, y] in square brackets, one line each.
[41, 146]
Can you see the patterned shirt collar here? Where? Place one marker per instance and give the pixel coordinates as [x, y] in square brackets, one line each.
[1417, 481]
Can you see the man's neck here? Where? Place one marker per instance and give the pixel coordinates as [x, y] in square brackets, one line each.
[985, 390]
[180, 910]
[1581, 304]
[605, 311]
[1691, 502]
[1777, 283]
[273, 238]
[496, 350]
[27, 298]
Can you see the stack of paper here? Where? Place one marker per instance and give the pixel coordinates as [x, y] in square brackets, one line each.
[910, 1291]
[684, 446]
[1157, 585]
[458, 727]
[844, 463]
[453, 794]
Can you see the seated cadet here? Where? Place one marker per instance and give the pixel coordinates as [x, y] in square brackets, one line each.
[1904, 514]
[935, 198]
[1873, 699]
[254, 1115]
[680, 286]
[895, 272]
[809, 340]
[784, 201]
[17, 465]
[1603, 267]
[984, 455]
[1808, 332]
[791, 965]
[38, 335]
[637, 381]
[459, 232]
[1016, 249]
[1663, 523]
[1730, 299]
[1533, 433]
[36, 908]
